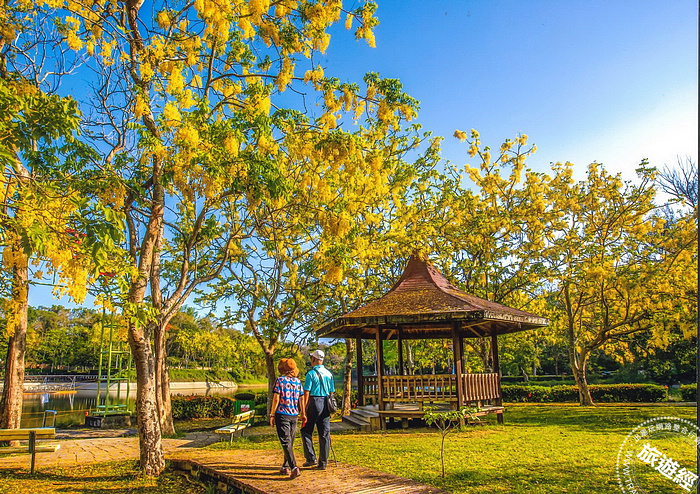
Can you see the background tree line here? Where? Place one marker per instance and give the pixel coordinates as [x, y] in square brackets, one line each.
[62, 340]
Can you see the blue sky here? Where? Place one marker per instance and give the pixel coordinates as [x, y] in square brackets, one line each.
[608, 81]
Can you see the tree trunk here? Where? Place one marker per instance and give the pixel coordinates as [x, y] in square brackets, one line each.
[577, 360]
[167, 425]
[579, 371]
[409, 359]
[482, 347]
[165, 408]
[271, 375]
[526, 378]
[11, 403]
[442, 452]
[150, 439]
[150, 442]
[165, 415]
[347, 381]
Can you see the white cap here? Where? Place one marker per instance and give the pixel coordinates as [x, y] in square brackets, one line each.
[318, 354]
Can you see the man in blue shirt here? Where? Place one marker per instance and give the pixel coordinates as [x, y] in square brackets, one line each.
[317, 385]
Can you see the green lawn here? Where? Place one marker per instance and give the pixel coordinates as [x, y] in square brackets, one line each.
[540, 449]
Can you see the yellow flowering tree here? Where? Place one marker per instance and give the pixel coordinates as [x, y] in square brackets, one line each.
[615, 265]
[494, 219]
[378, 233]
[299, 240]
[494, 228]
[47, 224]
[481, 224]
[188, 109]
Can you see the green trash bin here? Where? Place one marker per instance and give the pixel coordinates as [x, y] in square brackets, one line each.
[241, 406]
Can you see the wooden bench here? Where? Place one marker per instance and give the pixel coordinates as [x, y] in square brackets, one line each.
[239, 422]
[32, 436]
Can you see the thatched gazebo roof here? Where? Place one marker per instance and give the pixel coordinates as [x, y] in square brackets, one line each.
[424, 304]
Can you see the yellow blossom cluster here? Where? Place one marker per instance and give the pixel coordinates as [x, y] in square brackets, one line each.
[368, 21]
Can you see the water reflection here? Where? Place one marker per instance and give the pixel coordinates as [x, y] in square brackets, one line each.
[72, 407]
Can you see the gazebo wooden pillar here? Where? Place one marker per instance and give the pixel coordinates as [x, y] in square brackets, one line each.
[380, 367]
[494, 354]
[423, 304]
[360, 372]
[458, 363]
[497, 370]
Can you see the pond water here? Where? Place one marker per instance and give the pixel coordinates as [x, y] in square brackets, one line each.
[74, 406]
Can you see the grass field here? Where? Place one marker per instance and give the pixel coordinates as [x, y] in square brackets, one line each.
[540, 449]
[110, 478]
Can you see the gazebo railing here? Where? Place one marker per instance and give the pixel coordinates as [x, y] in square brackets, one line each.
[437, 387]
[432, 387]
[480, 387]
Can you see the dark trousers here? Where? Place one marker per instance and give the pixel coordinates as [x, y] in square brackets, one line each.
[286, 429]
[317, 416]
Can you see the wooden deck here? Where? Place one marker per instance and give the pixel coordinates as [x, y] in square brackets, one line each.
[255, 472]
[409, 411]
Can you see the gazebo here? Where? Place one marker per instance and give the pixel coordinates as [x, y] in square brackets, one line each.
[423, 304]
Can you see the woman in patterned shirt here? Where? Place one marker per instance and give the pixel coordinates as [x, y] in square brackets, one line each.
[287, 408]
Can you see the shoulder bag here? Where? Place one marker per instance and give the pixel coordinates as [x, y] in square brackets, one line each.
[331, 402]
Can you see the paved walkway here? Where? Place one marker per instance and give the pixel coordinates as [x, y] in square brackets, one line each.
[93, 433]
[258, 473]
[239, 469]
[85, 446]
[96, 447]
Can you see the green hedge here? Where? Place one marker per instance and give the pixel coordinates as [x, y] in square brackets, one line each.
[200, 407]
[601, 393]
[261, 398]
[689, 392]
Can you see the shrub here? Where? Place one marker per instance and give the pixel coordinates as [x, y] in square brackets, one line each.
[689, 392]
[261, 398]
[620, 393]
[602, 393]
[545, 380]
[199, 407]
[260, 410]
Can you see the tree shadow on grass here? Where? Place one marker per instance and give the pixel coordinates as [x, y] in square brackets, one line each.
[266, 441]
[602, 420]
[107, 478]
[200, 425]
[559, 475]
